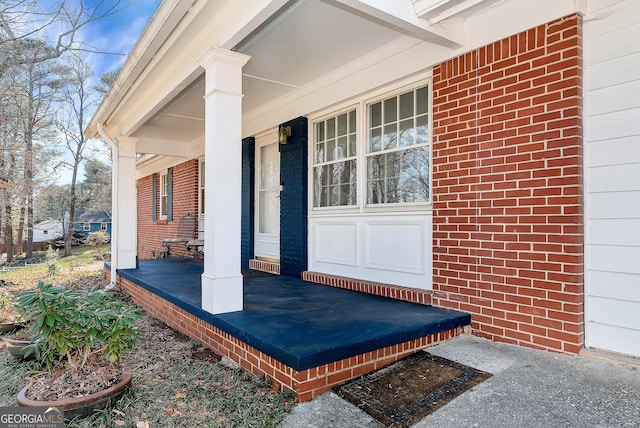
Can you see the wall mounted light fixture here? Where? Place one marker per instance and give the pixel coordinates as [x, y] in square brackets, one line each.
[284, 132]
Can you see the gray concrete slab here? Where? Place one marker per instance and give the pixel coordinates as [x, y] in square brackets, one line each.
[529, 388]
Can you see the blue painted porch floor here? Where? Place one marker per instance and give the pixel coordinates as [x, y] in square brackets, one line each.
[299, 323]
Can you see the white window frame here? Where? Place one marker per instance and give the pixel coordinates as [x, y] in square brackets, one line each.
[86, 227]
[361, 105]
[314, 164]
[396, 123]
[163, 194]
[103, 227]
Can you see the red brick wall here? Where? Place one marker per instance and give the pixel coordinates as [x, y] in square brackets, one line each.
[507, 186]
[185, 200]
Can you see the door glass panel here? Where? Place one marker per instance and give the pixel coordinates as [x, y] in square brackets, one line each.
[269, 189]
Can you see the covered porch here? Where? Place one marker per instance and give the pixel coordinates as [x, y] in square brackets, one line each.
[306, 337]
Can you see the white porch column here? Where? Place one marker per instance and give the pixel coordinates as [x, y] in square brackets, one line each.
[222, 280]
[125, 213]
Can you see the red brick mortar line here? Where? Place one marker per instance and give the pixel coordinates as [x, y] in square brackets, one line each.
[306, 384]
[397, 292]
[263, 266]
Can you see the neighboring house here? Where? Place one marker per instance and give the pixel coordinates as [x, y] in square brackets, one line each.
[47, 230]
[87, 222]
[485, 153]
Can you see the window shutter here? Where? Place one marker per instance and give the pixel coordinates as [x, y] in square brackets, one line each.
[170, 194]
[154, 197]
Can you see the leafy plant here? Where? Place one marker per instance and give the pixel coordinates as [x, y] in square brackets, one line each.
[7, 310]
[98, 238]
[52, 261]
[78, 324]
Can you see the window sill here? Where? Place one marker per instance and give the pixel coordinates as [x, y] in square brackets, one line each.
[161, 222]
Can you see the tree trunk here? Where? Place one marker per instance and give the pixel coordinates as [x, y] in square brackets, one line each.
[21, 228]
[72, 216]
[28, 178]
[8, 230]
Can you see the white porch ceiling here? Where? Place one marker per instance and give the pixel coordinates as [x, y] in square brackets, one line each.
[306, 40]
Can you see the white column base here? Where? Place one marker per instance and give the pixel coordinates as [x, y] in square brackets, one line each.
[222, 295]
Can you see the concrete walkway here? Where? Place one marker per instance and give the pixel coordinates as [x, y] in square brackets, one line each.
[528, 388]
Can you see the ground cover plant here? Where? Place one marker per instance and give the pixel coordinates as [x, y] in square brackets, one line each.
[176, 381]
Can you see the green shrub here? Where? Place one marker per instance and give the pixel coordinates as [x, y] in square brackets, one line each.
[52, 261]
[98, 238]
[77, 324]
[7, 312]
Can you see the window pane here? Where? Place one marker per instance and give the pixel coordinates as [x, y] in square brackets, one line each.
[376, 115]
[319, 153]
[390, 136]
[269, 212]
[342, 124]
[390, 110]
[400, 176]
[163, 205]
[413, 183]
[375, 170]
[331, 150]
[331, 128]
[422, 129]
[375, 140]
[334, 184]
[352, 121]
[320, 186]
[406, 105]
[352, 145]
[269, 174]
[422, 101]
[341, 148]
[320, 132]
[407, 133]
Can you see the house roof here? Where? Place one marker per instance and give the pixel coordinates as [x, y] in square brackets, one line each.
[48, 224]
[93, 217]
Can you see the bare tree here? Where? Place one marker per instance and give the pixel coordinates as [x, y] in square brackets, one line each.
[27, 19]
[76, 100]
[35, 86]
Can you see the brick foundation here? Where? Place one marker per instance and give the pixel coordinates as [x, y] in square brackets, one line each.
[263, 266]
[377, 288]
[507, 187]
[306, 384]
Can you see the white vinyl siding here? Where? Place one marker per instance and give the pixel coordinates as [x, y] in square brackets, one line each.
[612, 181]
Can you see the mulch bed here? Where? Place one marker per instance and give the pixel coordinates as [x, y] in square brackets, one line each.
[62, 383]
[402, 393]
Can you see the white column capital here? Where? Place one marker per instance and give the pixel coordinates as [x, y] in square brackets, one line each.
[126, 146]
[225, 56]
[223, 74]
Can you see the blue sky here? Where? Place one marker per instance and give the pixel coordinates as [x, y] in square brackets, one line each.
[117, 34]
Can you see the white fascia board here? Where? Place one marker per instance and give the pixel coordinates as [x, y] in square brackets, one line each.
[400, 14]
